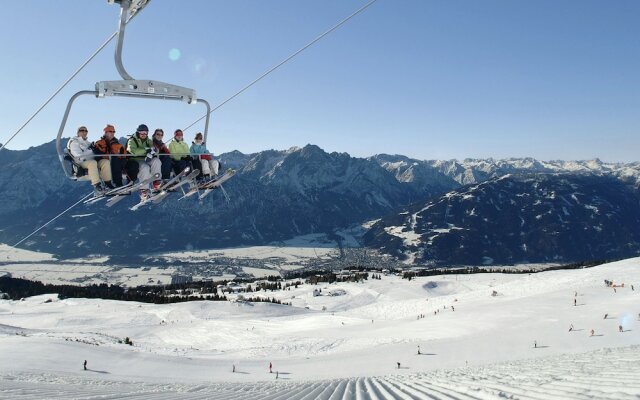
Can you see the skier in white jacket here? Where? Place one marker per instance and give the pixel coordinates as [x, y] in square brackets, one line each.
[80, 149]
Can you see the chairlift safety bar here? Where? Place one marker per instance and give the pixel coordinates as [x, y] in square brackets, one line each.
[59, 149]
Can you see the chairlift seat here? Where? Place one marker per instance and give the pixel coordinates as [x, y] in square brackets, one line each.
[78, 173]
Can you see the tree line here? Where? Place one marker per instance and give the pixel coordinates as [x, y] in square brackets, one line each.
[493, 270]
[16, 289]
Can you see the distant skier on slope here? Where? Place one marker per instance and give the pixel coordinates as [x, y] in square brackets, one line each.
[270, 368]
[85, 365]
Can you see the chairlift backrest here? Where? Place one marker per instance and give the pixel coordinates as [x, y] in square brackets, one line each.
[76, 171]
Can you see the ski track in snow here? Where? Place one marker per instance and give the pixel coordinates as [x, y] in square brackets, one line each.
[602, 374]
[349, 351]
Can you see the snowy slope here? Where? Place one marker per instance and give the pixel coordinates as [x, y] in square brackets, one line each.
[12, 254]
[483, 349]
[592, 375]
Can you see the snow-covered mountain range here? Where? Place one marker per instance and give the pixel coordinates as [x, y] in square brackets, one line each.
[471, 171]
[517, 218]
[277, 195]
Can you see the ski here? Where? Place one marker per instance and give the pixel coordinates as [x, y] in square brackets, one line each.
[211, 184]
[116, 199]
[161, 192]
[193, 190]
[110, 192]
[216, 183]
[141, 203]
[172, 185]
[130, 189]
[187, 179]
[173, 180]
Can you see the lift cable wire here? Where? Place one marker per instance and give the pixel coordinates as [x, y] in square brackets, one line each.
[106, 42]
[314, 41]
[53, 219]
[110, 38]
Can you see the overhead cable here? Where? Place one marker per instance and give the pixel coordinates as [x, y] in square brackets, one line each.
[314, 41]
[84, 64]
[53, 219]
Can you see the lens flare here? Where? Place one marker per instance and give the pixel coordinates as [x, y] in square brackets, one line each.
[174, 54]
[200, 67]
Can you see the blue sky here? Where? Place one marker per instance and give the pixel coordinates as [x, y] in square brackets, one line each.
[427, 79]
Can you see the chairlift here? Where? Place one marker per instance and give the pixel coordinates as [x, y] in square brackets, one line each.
[127, 87]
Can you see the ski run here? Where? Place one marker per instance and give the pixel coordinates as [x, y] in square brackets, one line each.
[521, 336]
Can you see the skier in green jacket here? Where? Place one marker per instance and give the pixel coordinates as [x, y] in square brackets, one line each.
[141, 146]
[180, 153]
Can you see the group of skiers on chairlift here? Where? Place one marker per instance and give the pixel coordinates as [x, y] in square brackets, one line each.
[149, 157]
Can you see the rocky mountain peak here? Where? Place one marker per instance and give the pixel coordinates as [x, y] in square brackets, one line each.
[278, 194]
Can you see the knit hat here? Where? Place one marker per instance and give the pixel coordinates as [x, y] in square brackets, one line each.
[109, 127]
[142, 127]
